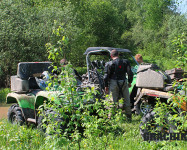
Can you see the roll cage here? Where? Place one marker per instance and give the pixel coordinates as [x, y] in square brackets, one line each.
[102, 51]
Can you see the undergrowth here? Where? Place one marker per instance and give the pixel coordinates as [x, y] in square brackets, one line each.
[23, 137]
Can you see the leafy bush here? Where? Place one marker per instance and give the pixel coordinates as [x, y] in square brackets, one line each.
[16, 137]
[74, 113]
[24, 32]
[3, 94]
[81, 70]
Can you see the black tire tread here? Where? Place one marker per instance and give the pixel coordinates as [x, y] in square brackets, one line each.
[15, 109]
[145, 119]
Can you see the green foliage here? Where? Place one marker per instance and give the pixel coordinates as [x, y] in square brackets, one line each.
[181, 55]
[153, 28]
[82, 113]
[91, 23]
[16, 137]
[154, 12]
[24, 32]
[169, 117]
[58, 51]
[81, 70]
[181, 52]
[3, 94]
[175, 25]
[74, 113]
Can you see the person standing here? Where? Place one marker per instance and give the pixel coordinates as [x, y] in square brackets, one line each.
[116, 82]
[139, 59]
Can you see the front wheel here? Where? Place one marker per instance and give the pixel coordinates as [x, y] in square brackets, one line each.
[148, 124]
[15, 115]
[50, 117]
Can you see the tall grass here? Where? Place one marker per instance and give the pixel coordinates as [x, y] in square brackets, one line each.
[128, 138]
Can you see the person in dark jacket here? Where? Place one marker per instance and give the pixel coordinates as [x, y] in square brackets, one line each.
[116, 82]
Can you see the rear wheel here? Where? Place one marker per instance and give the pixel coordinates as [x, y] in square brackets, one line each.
[142, 107]
[15, 115]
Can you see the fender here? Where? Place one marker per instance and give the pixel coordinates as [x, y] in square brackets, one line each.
[153, 93]
[25, 101]
[45, 96]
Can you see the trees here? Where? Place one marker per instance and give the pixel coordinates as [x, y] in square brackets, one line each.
[24, 32]
[153, 26]
[146, 26]
[92, 23]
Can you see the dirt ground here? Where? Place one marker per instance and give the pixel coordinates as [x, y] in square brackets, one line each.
[3, 112]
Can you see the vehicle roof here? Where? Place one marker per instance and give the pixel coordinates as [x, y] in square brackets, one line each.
[98, 50]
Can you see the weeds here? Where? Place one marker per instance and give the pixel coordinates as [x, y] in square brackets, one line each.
[16, 137]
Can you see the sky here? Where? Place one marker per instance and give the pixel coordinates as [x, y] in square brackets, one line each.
[182, 8]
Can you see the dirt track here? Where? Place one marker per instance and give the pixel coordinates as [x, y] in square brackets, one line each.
[3, 112]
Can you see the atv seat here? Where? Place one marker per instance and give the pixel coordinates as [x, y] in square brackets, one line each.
[26, 73]
[151, 77]
[31, 69]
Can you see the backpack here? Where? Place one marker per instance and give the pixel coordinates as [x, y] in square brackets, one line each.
[119, 69]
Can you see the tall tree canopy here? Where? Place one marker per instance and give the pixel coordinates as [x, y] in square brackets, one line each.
[146, 26]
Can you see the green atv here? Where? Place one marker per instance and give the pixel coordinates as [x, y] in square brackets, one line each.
[26, 94]
[153, 84]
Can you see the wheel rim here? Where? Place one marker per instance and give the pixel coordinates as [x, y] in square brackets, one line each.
[145, 107]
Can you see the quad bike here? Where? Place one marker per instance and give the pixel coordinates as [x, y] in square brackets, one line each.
[153, 84]
[26, 94]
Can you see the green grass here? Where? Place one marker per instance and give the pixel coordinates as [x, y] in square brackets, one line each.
[23, 137]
